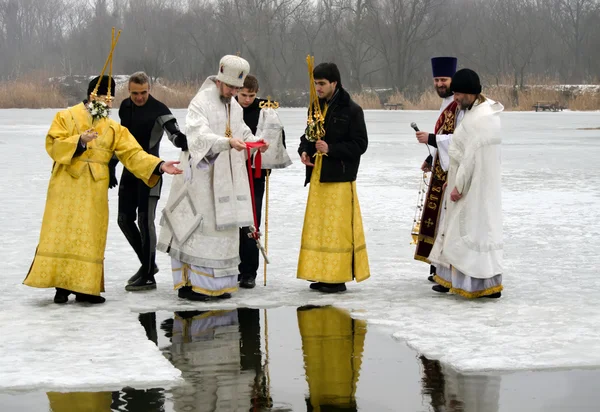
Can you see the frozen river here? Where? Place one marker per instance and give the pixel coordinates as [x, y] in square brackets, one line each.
[547, 317]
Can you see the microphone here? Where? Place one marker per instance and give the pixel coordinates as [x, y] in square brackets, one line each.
[414, 126]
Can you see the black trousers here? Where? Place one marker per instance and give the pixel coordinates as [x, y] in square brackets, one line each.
[249, 253]
[138, 202]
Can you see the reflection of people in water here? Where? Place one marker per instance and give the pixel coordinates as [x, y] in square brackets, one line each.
[251, 357]
[79, 401]
[139, 400]
[332, 343]
[433, 383]
[206, 348]
[454, 392]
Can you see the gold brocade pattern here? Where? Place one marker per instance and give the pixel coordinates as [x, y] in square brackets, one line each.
[70, 253]
[333, 248]
[332, 345]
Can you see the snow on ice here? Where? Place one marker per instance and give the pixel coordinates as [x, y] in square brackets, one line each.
[547, 317]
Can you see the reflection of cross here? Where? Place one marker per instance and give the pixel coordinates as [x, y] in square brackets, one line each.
[429, 223]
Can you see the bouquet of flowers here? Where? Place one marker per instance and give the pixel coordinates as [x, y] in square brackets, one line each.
[98, 109]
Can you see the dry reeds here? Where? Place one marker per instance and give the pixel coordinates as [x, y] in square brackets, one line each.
[525, 99]
[367, 100]
[587, 101]
[30, 92]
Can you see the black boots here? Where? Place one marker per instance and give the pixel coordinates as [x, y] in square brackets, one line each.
[142, 283]
[135, 278]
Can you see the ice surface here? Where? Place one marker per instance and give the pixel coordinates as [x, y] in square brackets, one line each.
[547, 317]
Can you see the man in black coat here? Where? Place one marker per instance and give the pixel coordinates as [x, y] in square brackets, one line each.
[147, 119]
[333, 249]
[249, 253]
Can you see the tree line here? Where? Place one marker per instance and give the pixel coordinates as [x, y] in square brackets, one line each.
[376, 43]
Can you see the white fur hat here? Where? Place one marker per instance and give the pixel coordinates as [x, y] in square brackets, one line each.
[233, 70]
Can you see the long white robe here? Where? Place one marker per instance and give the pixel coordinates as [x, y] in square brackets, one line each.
[470, 241]
[211, 200]
[443, 144]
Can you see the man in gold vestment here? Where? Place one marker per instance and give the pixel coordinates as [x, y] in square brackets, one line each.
[70, 253]
[333, 249]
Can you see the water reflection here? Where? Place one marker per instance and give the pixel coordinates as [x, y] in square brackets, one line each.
[224, 359]
[220, 360]
[332, 344]
[80, 401]
[450, 391]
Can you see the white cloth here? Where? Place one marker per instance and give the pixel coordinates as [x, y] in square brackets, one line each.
[443, 142]
[201, 279]
[216, 189]
[270, 129]
[471, 238]
[467, 286]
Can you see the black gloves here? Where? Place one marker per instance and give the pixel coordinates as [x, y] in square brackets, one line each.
[112, 173]
[180, 140]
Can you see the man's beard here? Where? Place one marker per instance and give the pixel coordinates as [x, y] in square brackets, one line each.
[225, 100]
[444, 93]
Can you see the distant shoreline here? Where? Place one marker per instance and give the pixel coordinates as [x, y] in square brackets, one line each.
[66, 91]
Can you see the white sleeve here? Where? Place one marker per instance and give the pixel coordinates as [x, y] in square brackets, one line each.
[443, 144]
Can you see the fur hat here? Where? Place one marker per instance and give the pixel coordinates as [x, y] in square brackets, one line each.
[233, 70]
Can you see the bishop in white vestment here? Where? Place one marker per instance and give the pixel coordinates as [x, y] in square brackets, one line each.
[470, 243]
[210, 202]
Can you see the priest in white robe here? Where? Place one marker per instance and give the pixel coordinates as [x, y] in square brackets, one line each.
[432, 216]
[470, 243]
[210, 202]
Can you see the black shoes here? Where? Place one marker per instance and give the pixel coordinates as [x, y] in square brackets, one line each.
[333, 287]
[247, 283]
[61, 296]
[83, 298]
[440, 289]
[223, 296]
[316, 285]
[431, 279]
[186, 292]
[328, 287]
